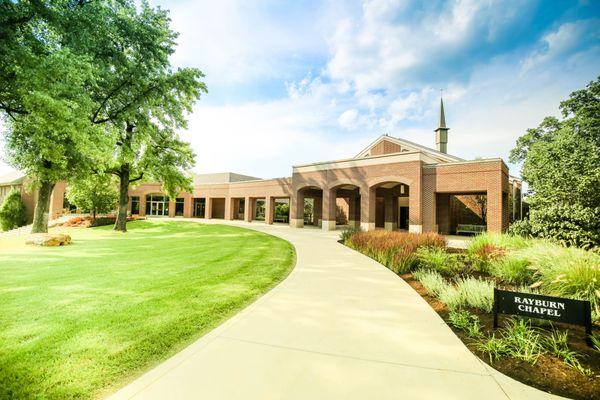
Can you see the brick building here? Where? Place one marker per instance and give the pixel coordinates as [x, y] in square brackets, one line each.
[391, 184]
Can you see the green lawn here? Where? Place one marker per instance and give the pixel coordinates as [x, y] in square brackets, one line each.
[80, 321]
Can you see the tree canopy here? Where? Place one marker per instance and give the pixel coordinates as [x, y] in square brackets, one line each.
[561, 164]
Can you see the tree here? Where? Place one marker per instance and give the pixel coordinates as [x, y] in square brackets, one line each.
[12, 211]
[44, 97]
[561, 164]
[144, 102]
[95, 193]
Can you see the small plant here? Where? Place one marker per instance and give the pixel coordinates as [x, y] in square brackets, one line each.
[523, 341]
[451, 297]
[438, 259]
[467, 322]
[347, 233]
[558, 345]
[431, 280]
[495, 348]
[596, 342]
[12, 211]
[476, 293]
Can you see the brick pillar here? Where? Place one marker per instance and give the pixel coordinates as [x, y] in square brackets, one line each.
[329, 209]
[318, 211]
[390, 224]
[368, 202]
[495, 217]
[443, 213]
[142, 205]
[171, 208]
[229, 206]
[188, 202]
[248, 209]
[269, 209]
[297, 210]
[208, 208]
[420, 202]
[353, 211]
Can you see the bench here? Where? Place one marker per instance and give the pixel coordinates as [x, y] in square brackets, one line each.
[280, 218]
[474, 229]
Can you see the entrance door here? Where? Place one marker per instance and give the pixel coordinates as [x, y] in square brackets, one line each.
[403, 223]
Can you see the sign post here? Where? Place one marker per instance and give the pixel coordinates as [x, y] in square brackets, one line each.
[569, 311]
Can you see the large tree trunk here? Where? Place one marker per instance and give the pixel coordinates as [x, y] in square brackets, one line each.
[121, 222]
[42, 208]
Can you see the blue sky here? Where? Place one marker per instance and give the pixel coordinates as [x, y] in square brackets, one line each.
[303, 81]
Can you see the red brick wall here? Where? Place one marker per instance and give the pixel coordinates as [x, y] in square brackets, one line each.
[385, 147]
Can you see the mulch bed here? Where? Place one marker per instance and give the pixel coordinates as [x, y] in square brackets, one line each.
[89, 222]
[549, 374]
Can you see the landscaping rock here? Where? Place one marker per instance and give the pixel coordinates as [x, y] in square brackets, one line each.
[49, 239]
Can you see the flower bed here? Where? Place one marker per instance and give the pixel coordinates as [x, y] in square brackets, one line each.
[89, 222]
[459, 286]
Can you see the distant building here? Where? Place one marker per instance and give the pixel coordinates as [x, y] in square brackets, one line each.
[391, 184]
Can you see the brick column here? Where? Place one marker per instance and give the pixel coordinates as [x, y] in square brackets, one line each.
[229, 207]
[297, 210]
[208, 208]
[390, 223]
[248, 209]
[353, 212]
[329, 209]
[495, 217]
[188, 202]
[368, 202]
[269, 209]
[171, 208]
[420, 202]
[443, 213]
[318, 211]
[142, 205]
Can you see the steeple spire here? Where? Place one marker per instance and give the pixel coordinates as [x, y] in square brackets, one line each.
[441, 133]
[442, 123]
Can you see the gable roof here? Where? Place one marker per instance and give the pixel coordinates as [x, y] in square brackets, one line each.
[222, 177]
[407, 144]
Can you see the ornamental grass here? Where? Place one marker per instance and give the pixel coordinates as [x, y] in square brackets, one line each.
[395, 250]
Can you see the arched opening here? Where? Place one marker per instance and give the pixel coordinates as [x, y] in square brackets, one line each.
[308, 209]
[391, 209]
[157, 204]
[345, 205]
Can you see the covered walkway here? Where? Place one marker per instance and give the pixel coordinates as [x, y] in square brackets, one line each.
[341, 326]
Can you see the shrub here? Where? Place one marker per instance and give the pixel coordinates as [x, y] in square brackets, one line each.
[522, 341]
[12, 211]
[438, 259]
[431, 280]
[568, 224]
[568, 272]
[476, 293]
[512, 270]
[395, 250]
[521, 228]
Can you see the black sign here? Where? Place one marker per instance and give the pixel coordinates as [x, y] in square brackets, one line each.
[569, 311]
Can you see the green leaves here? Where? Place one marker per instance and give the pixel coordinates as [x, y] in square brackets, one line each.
[561, 164]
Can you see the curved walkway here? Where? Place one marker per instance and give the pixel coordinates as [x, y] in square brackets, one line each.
[341, 326]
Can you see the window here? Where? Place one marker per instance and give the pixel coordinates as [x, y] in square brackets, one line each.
[135, 205]
[179, 202]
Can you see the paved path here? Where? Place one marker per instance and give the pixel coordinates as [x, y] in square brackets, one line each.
[341, 326]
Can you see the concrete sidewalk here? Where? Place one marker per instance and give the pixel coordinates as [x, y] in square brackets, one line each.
[341, 326]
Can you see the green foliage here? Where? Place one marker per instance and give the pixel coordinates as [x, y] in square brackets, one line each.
[561, 164]
[431, 280]
[438, 259]
[467, 322]
[596, 342]
[494, 347]
[451, 297]
[522, 341]
[12, 211]
[476, 293]
[95, 193]
[512, 269]
[282, 209]
[347, 233]
[557, 344]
